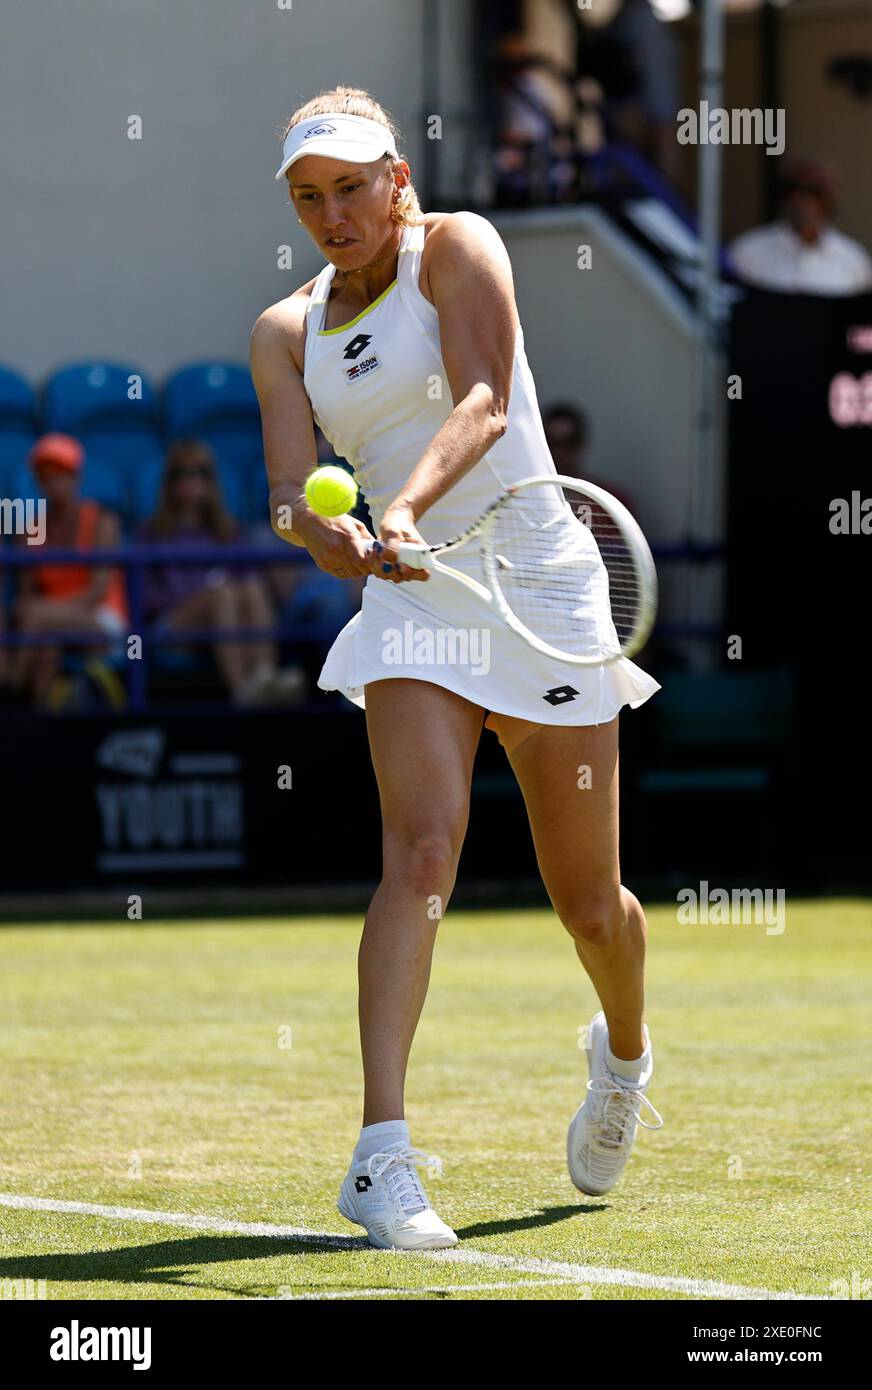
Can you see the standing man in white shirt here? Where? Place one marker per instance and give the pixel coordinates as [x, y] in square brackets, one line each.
[802, 253]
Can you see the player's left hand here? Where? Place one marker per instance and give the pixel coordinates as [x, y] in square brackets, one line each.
[398, 526]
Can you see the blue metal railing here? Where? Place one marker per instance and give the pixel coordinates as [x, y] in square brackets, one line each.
[135, 559]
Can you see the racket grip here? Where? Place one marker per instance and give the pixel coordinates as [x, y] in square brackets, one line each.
[418, 557]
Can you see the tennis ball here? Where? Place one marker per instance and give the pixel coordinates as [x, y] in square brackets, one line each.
[330, 491]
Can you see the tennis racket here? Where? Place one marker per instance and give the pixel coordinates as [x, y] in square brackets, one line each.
[565, 566]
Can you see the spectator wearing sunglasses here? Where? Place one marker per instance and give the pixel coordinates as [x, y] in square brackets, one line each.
[191, 513]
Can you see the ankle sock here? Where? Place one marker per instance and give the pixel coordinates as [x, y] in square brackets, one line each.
[373, 1138]
[629, 1070]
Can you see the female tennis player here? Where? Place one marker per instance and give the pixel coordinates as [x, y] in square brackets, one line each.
[408, 352]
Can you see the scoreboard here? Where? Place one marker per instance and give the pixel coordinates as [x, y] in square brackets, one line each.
[800, 531]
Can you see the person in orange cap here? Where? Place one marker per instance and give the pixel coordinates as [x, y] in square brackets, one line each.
[66, 598]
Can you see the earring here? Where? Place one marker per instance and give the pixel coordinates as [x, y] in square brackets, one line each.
[300, 220]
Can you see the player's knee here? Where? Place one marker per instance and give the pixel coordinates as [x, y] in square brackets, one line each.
[592, 919]
[427, 859]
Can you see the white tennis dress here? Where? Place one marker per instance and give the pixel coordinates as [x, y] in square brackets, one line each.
[380, 393]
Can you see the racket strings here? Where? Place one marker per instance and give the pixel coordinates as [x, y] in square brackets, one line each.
[565, 571]
[625, 589]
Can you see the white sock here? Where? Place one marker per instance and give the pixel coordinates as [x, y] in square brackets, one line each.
[373, 1138]
[628, 1070]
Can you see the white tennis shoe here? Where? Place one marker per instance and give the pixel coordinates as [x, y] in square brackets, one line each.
[384, 1194]
[602, 1131]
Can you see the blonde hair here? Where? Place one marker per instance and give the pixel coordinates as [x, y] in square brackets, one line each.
[214, 516]
[354, 101]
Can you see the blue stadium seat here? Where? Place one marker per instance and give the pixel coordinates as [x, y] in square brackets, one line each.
[240, 461]
[105, 482]
[91, 400]
[87, 393]
[708, 711]
[24, 482]
[17, 401]
[202, 395]
[233, 483]
[722, 745]
[15, 445]
[216, 402]
[258, 496]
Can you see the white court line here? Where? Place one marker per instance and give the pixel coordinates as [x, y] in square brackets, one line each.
[564, 1270]
[426, 1288]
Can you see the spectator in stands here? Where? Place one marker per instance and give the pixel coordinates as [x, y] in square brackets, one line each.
[6, 692]
[568, 434]
[802, 253]
[642, 81]
[191, 514]
[534, 154]
[66, 598]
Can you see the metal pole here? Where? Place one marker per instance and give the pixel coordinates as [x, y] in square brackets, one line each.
[430, 41]
[770, 93]
[138, 684]
[706, 452]
[703, 597]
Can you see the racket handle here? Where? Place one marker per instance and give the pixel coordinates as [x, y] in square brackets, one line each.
[418, 557]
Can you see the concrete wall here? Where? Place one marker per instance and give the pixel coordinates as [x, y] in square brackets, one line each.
[164, 249]
[617, 340]
[823, 120]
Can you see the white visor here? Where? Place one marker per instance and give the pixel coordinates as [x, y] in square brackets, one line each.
[337, 136]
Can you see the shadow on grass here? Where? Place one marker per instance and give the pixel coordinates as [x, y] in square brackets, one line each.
[169, 1262]
[174, 1263]
[548, 1216]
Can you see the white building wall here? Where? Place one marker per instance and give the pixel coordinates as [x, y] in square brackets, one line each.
[617, 340]
[163, 250]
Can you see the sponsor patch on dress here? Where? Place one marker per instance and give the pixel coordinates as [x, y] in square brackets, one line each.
[369, 364]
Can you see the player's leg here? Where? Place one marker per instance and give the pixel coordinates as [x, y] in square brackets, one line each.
[569, 779]
[422, 740]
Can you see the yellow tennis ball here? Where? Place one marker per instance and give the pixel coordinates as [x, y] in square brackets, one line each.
[330, 491]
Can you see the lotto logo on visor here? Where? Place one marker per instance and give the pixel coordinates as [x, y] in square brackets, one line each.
[336, 135]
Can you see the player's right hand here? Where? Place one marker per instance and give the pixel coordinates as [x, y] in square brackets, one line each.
[339, 545]
[397, 527]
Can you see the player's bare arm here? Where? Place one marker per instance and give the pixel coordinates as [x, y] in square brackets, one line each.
[470, 279]
[338, 545]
